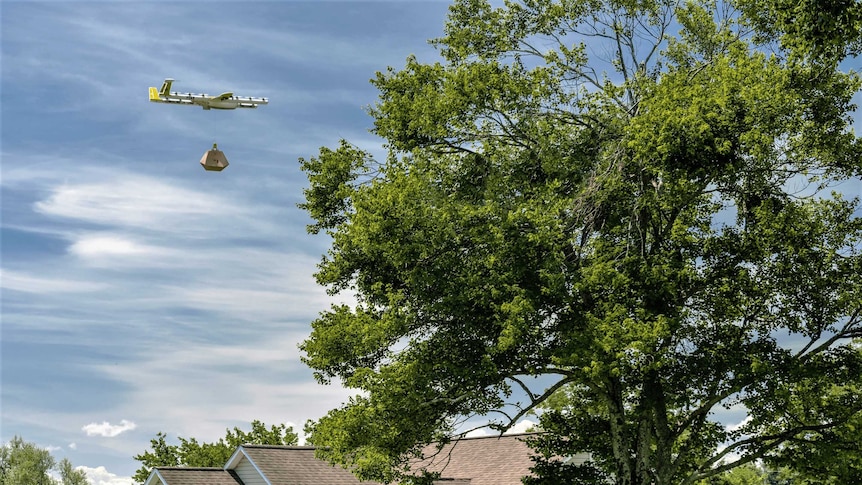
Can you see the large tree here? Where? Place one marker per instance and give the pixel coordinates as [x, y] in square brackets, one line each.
[626, 215]
[189, 452]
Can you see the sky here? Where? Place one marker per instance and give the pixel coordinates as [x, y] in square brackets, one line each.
[140, 293]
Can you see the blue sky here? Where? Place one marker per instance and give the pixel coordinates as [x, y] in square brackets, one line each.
[141, 293]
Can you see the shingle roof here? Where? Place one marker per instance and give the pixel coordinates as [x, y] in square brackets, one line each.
[197, 476]
[486, 460]
[296, 465]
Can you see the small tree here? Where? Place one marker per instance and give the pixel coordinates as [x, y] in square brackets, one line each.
[69, 475]
[25, 463]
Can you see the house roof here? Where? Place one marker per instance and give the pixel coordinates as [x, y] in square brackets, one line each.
[293, 465]
[192, 476]
[485, 460]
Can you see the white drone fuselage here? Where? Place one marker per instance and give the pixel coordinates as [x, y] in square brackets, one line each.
[205, 101]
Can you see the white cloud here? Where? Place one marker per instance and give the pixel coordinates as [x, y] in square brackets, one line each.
[129, 200]
[102, 246]
[522, 426]
[478, 432]
[73, 446]
[111, 245]
[101, 476]
[107, 429]
[736, 427]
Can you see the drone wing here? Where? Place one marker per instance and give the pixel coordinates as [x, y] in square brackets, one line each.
[164, 95]
[249, 102]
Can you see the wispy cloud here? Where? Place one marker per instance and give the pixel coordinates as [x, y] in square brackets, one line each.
[19, 281]
[130, 200]
[107, 429]
[218, 373]
[130, 276]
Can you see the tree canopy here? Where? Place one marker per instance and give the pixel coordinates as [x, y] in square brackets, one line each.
[624, 215]
[192, 453]
[22, 462]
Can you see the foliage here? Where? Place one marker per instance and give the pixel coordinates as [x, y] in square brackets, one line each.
[747, 474]
[25, 463]
[69, 475]
[819, 29]
[192, 453]
[758, 474]
[831, 456]
[637, 202]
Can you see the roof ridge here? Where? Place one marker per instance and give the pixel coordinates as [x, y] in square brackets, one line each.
[451, 438]
[279, 447]
[494, 436]
[194, 468]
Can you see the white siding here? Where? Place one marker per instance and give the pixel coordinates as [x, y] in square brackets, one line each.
[579, 459]
[248, 474]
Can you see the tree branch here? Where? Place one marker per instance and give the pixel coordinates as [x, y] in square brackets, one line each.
[846, 331]
[770, 442]
[535, 401]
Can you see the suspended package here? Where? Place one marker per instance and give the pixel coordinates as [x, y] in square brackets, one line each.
[214, 160]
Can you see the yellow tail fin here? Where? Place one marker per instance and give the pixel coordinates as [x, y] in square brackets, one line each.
[166, 87]
[154, 95]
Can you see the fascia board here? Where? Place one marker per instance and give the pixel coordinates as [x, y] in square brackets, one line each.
[155, 475]
[235, 458]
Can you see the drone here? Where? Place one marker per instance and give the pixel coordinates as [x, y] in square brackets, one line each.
[214, 159]
[222, 101]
